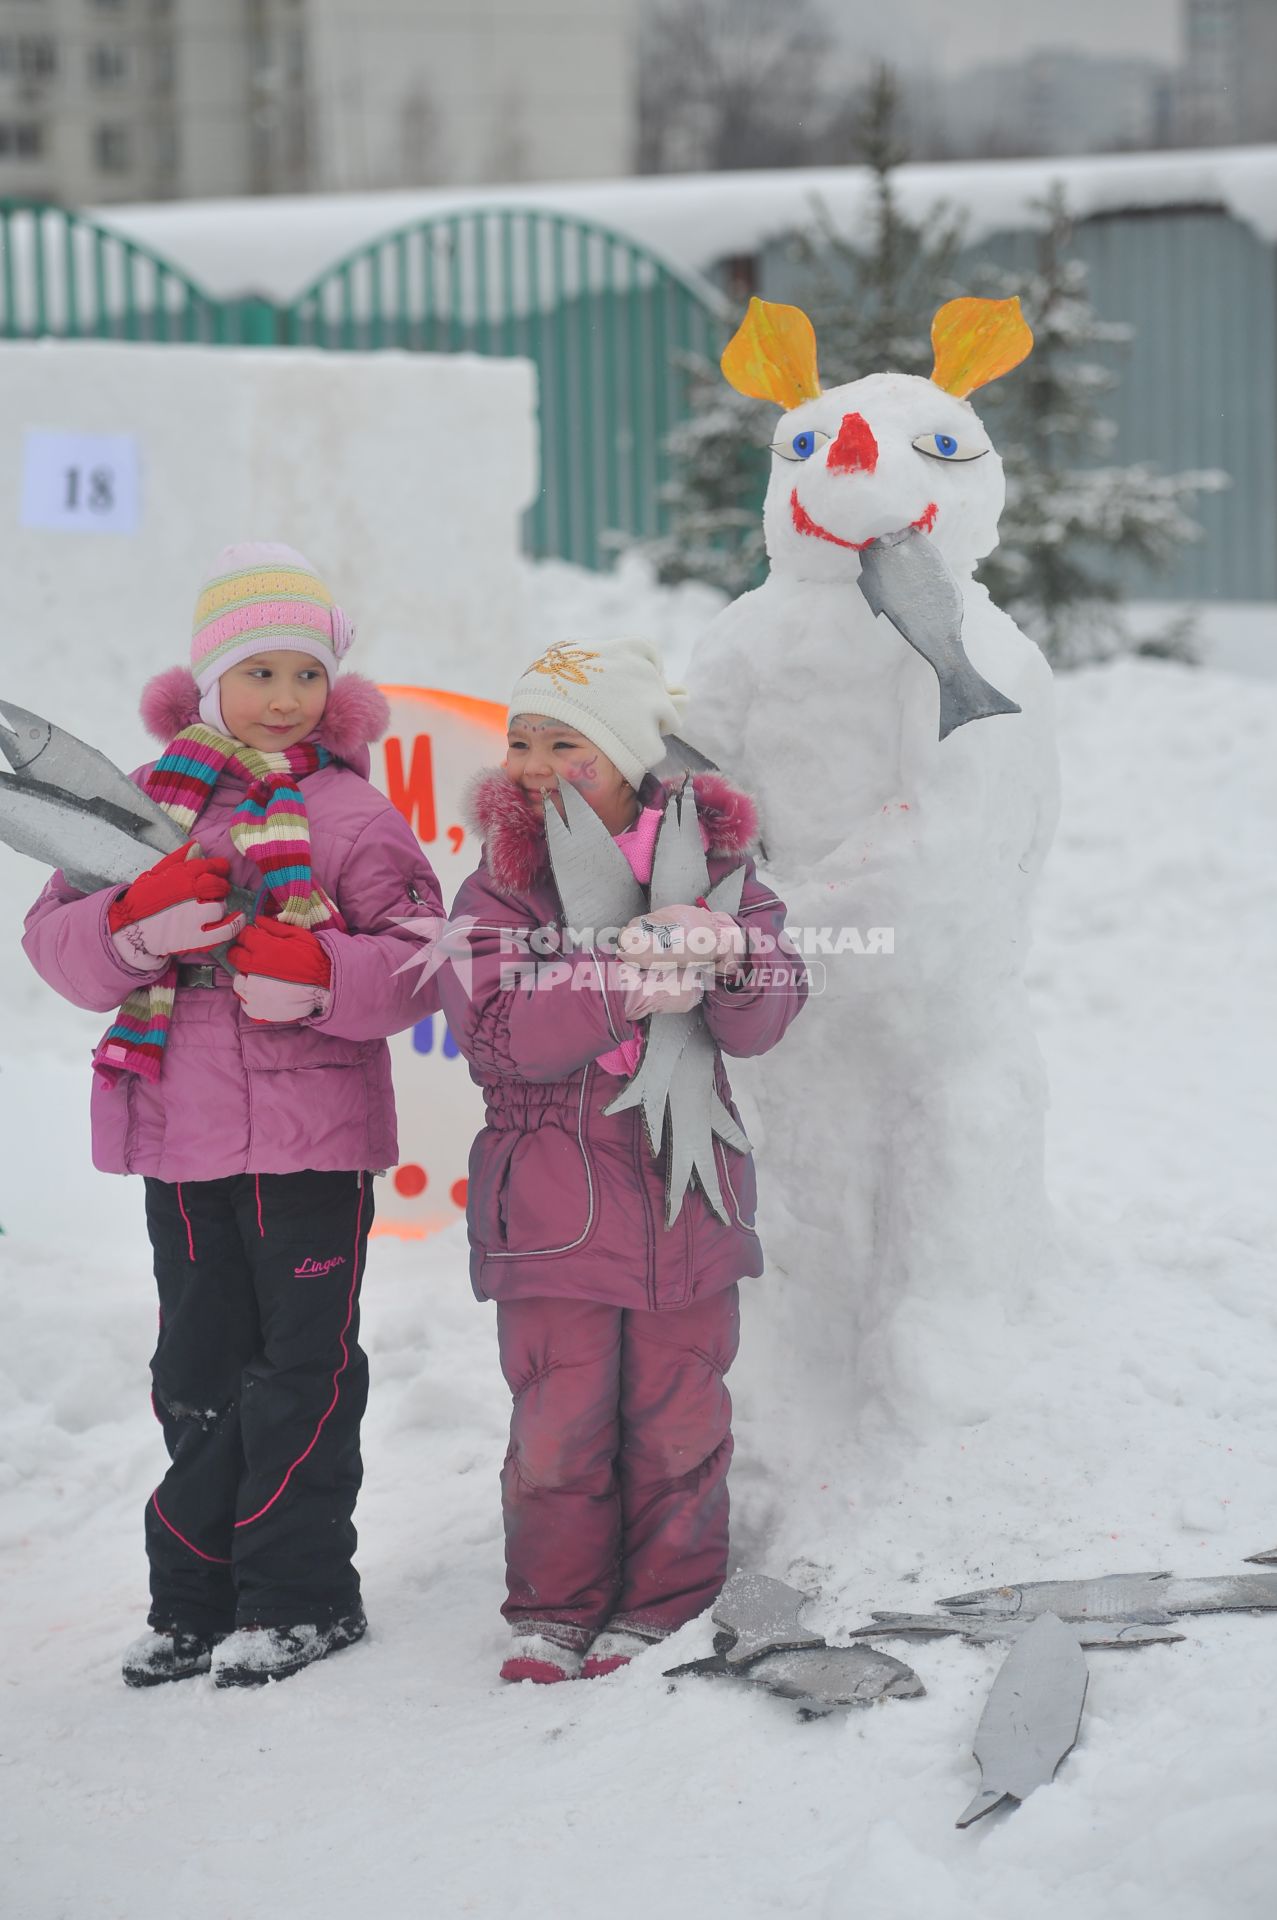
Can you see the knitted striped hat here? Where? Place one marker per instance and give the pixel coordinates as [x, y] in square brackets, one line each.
[261, 597]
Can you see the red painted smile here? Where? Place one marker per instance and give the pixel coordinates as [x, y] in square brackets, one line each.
[803, 523]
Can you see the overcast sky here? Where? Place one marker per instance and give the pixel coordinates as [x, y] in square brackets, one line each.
[952, 34]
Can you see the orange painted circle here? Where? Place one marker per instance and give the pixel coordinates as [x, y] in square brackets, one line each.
[458, 1192]
[410, 1181]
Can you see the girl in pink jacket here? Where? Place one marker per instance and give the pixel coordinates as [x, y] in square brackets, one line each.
[256, 1106]
[615, 1330]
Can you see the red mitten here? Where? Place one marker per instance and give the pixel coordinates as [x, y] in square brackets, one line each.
[178, 877]
[281, 952]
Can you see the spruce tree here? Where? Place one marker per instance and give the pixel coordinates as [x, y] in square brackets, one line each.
[871, 299]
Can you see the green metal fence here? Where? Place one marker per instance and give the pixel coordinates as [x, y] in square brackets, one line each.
[608, 325]
[65, 275]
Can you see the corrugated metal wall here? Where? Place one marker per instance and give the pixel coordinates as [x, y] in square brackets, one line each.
[1198, 383]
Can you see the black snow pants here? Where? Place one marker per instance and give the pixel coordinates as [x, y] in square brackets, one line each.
[260, 1386]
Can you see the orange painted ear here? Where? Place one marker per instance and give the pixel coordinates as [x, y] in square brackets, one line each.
[772, 355]
[977, 341]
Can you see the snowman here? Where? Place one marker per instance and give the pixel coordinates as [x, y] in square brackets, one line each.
[896, 729]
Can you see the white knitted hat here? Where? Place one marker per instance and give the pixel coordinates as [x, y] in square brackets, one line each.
[614, 693]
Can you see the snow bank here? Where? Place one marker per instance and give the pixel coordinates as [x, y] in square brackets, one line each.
[277, 245]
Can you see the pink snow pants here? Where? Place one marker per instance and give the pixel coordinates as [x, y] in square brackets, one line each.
[614, 1488]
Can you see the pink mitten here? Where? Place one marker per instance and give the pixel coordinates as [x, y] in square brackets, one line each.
[682, 936]
[662, 990]
[280, 1001]
[192, 926]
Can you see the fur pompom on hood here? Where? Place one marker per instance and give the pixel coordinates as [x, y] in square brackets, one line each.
[513, 830]
[356, 714]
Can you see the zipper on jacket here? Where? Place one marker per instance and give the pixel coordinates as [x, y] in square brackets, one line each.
[648, 1223]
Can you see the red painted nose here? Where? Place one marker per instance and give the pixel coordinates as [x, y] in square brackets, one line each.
[855, 450]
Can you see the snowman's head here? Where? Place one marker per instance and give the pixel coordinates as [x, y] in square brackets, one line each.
[883, 453]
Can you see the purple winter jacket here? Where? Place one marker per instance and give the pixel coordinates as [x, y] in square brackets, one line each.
[563, 1199]
[238, 1097]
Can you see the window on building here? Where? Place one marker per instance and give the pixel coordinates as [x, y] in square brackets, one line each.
[163, 67]
[112, 149]
[164, 152]
[34, 59]
[21, 139]
[108, 65]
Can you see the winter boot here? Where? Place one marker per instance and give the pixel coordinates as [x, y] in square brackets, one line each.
[251, 1656]
[533, 1657]
[613, 1648]
[169, 1653]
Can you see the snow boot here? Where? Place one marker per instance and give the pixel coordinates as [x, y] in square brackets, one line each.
[613, 1648]
[168, 1653]
[536, 1658]
[251, 1656]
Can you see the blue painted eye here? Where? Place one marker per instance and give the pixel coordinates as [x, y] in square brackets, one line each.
[950, 446]
[802, 446]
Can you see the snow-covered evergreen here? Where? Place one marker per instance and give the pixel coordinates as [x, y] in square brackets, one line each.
[713, 496]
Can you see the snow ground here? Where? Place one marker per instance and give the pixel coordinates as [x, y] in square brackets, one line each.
[1136, 1429]
[1238, 635]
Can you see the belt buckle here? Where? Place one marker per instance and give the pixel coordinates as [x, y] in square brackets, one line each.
[197, 974]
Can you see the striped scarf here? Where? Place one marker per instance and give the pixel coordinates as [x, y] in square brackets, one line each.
[269, 827]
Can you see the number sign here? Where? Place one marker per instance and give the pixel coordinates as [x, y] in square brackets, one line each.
[80, 482]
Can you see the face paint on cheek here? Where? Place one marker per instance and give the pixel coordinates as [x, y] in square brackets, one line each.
[584, 773]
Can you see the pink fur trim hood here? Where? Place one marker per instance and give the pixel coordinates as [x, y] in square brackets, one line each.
[514, 832]
[356, 714]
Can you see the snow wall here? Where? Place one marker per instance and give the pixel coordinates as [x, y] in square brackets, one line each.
[402, 476]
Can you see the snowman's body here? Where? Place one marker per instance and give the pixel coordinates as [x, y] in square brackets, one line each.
[902, 1121]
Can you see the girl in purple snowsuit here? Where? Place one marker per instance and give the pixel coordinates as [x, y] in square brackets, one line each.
[615, 1331]
[256, 1108]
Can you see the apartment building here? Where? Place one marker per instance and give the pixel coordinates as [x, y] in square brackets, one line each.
[1229, 82]
[131, 100]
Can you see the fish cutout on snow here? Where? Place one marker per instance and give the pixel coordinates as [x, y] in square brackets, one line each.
[1155, 1598]
[763, 1642]
[1031, 1718]
[979, 1632]
[761, 1614]
[817, 1680]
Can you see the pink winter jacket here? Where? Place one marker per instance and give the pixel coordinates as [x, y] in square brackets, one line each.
[234, 1097]
[563, 1199]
